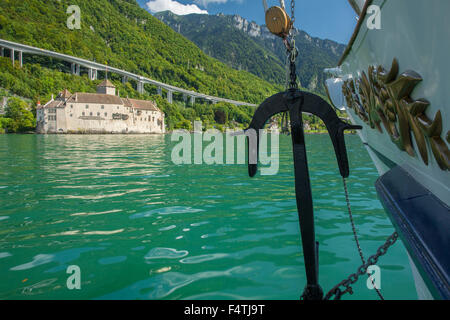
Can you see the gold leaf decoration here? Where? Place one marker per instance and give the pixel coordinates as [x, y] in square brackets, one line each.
[384, 100]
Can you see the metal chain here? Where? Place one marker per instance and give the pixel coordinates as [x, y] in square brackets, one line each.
[292, 67]
[292, 12]
[353, 278]
[355, 235]
[291, 57]
[294, 50]
[288, 56]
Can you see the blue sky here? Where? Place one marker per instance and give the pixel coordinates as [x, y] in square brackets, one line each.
[326, 19]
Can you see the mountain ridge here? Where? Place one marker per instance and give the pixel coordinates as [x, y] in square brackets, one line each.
[246, 45]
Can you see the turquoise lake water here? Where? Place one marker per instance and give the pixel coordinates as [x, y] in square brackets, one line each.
[140, 227]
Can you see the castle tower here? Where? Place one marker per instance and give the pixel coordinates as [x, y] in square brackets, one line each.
[106, 87]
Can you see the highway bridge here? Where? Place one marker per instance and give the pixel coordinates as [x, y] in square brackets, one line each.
[18, 49]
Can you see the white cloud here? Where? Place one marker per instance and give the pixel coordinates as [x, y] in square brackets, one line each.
[175, 7]
[205, 3]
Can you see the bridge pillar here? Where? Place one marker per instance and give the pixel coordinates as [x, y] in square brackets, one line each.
[170, 96]
[124, 79]
[140, 87]
[184, 97]
[21, 59]
[192, 100]
[12, 56]
[91, 74]
[2, 51]
[75, 69]
[159, 90]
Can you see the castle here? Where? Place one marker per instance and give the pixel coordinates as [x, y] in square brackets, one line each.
[101, 112]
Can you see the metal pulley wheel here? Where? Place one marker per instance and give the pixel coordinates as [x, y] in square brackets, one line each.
[277, 20]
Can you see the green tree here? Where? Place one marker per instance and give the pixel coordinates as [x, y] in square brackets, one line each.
[21, 119]
[184, 124]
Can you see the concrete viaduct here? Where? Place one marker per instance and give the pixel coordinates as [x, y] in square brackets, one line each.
[17, 49]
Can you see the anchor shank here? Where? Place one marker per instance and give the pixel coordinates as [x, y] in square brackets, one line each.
[304, 196]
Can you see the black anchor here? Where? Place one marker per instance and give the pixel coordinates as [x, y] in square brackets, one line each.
[296, 102]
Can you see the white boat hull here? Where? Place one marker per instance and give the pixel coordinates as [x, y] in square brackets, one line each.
[417, 34]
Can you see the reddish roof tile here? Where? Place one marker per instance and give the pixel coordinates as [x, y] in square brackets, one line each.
[97, 98]
[141, 104]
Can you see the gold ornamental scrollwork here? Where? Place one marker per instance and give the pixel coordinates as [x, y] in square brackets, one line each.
[382, 99]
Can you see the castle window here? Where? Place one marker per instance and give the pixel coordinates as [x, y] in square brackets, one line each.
[87, 106]
[118, 107]
[106, 114]
[82, 113]
[98, 114]
[71, 115]
[90, 114]
[103, 107]
[71, 106]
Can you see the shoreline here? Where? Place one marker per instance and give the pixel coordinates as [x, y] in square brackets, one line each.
[134, 134]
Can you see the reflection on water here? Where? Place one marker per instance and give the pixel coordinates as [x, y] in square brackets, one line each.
[140, 227]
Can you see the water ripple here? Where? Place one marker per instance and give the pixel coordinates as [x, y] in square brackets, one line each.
[165, 253]
[140, 227]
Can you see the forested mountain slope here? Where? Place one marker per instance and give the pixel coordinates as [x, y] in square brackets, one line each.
[246, 45]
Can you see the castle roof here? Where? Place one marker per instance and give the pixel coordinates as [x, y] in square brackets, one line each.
[51, 104]
[140, 104]
[65, 98]
[96, 98]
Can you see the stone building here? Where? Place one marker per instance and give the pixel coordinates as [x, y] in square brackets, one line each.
[101, 112]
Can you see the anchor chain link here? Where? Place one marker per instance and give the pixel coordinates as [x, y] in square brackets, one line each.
[355, 235]
[337, 291]
[293, 51]
[292, 66]
[292, 13]
[291, 69]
